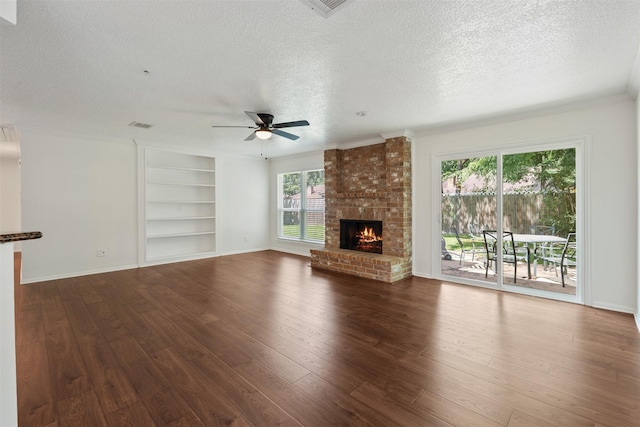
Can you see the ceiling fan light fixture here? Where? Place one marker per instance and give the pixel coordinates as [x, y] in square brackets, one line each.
[263, 133]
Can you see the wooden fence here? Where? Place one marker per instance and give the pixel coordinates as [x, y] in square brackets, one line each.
[520, 211]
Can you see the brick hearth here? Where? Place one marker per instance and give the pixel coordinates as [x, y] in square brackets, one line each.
[369, 183]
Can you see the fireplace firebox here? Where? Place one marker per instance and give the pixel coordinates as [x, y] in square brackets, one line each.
[361, 235]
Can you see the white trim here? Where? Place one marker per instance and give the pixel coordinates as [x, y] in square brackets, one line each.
[525, 113]
[633, 87]
[245, 251]
[423, 275]
[582, 144]
[78, 274]
[302, 211]
[142, 205]
[186, 149]
[637, 318]
[72, 135]
[180, 258]
[613, 307]
[355, 144]
[396, 134]
[583, 219]
[296, 248]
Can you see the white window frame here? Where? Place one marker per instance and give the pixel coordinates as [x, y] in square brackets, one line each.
[302, 211]
[582, 145]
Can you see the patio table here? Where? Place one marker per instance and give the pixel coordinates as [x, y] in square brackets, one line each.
[531, 240]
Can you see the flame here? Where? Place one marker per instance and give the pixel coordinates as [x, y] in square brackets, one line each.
[368, 235]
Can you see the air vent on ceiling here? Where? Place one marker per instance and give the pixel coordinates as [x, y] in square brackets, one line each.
[326, 7]
[7, 134]
[140, 125]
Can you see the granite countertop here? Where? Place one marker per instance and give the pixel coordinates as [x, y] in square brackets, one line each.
[18, 236]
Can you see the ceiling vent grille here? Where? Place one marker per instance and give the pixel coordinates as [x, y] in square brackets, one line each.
[326, 7]
[7, 134]
[140, 125]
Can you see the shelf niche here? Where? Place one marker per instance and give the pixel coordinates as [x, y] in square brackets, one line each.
[179, 210]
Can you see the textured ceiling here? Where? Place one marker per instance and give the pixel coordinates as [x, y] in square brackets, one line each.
[78, 66]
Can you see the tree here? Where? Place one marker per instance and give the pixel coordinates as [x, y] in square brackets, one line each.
[457, 170]
[553, 170]
[291, 184]
[314, 178]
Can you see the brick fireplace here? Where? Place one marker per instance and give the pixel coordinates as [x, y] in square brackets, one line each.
[371, 183]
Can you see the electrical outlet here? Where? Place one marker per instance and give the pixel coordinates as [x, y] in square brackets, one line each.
[101, 252]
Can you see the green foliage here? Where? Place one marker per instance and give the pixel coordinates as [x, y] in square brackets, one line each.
[314, 232]
[291, 183]
[291, 230]
[553, 170]
[315, 178]
[460, 170]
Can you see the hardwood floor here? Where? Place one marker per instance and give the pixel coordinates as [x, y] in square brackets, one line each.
[262, 339]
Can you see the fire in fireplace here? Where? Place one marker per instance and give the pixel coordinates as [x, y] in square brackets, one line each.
[359, 235]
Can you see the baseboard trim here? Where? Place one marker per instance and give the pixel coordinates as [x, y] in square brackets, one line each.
[423, 275]
[613, 307]
[245, 251]
[78, 274]
[637, 317]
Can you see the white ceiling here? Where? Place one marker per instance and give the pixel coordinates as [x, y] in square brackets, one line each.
[78, 66]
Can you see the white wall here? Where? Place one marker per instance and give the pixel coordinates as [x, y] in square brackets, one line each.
[301, 162]
[10, 186]
[612, 203]
[242, 197]
[81, 192]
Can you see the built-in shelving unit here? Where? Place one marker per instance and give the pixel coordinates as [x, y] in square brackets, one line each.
[179, 206]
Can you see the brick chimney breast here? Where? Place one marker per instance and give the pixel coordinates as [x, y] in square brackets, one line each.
[369, 183]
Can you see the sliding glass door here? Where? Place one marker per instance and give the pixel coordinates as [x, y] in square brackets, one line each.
[468, 206]
[510, 219]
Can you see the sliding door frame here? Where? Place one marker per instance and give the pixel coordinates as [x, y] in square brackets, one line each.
[582, 145]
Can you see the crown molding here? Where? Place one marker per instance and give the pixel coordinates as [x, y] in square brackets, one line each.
[526, 113]
[408, 133]
[71, 134]
[356, 144]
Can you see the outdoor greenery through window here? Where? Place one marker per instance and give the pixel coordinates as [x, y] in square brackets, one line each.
[532, 197]
[301, 205]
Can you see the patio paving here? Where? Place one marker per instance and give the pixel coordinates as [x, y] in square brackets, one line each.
[544, 279]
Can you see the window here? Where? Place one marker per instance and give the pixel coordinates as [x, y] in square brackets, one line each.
[531, 197]
[301, 205]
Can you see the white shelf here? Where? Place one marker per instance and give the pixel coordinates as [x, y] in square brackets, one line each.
[178, 184]
[181, 201]
[163, 236]
[161, 167]
[179, 219]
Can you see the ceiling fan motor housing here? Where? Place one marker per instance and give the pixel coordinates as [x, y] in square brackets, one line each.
[267, 119]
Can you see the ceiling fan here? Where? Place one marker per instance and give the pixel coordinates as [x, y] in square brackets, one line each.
[265, 127]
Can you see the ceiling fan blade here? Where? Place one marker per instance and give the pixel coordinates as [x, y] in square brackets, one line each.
[255, 117]
[285, 134]
[291, 124]
[251, 137]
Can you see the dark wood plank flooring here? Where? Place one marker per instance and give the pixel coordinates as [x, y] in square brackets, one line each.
[262, 339]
